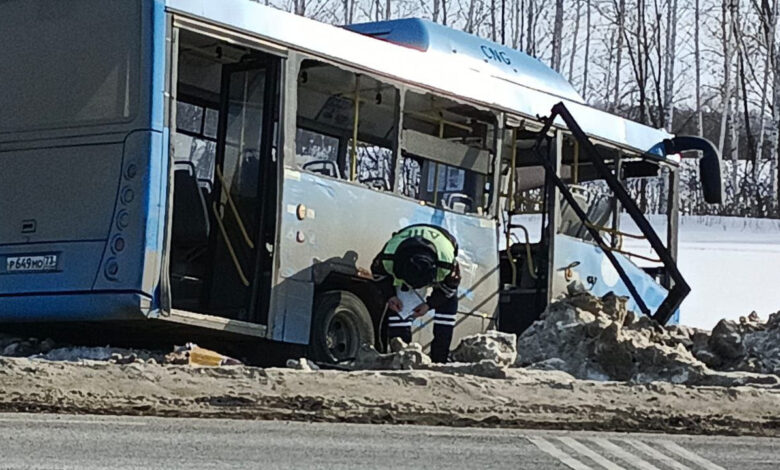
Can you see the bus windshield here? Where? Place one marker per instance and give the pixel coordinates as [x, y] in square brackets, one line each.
[74, 63]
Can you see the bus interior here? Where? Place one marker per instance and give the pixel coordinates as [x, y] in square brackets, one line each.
[224, 160]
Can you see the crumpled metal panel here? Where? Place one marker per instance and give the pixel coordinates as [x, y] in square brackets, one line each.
[345, 225]
[597, 274]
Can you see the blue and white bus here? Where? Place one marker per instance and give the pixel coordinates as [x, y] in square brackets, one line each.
[232, 167]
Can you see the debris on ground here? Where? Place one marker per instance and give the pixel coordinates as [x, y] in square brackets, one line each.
[599, 339]
[302, 364]
[194, 355]
[402, 356]
[495, 346]
[49, 350]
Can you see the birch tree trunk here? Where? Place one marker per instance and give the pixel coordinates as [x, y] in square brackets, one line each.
[435, 11]
[697, 66]
[493, 20]
[671, 57]
[578, 8]
[530, 37]
[557, 36]
[517, 33]
[470, 17]
[621, 26]
[774, 134]
[587, 51]
[768, 22]
[733, 118]
[727, 29]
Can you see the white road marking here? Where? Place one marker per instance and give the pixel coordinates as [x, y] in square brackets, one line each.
[657, 455]
[546, 446]
[582, 449]
[627, 456]
[688, 455]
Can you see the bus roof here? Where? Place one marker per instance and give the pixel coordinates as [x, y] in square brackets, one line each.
[431, 56]
[472, 52]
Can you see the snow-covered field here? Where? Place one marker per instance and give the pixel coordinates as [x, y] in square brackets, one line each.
[732, 265]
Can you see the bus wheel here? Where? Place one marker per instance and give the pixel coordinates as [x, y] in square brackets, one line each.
[341, 324]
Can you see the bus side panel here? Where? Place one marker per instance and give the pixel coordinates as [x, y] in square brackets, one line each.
[597, 274]
[345, 225]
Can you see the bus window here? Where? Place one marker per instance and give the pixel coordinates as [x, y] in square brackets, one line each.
[75, 63]
[195, 140]
[447, 150]
[335, 137]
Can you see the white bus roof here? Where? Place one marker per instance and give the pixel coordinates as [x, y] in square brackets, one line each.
[433, 56]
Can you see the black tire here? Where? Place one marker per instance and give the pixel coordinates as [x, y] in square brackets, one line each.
[341, 324]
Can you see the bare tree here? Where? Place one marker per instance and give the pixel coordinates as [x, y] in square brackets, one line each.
[517, 37]
[774, 134]
[697, 66]
[530, 36]
[671, 58]
[557, 36]
[575, 36]
[768, 21]
[587, 50]
[621, 32]
[727, 29]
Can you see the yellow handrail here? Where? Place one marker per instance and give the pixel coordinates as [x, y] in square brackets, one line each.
[234, 209]
[356, 121]
[229, 245]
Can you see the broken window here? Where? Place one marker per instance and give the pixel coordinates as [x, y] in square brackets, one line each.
[447, 149]
[346, 125]
[195, 139]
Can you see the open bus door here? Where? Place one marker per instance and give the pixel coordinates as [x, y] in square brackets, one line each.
[561, 253]
[223, 199]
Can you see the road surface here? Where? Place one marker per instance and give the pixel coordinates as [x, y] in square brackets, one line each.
[89, 442]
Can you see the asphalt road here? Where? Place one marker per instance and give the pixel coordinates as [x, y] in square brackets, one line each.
[87, 442]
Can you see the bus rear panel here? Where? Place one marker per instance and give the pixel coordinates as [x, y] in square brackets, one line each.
[80, 145]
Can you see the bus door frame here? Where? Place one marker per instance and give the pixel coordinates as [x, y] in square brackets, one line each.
[174, 24]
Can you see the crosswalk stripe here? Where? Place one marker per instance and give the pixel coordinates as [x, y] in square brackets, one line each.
[686, 454]
[657, 455]
[579, 447]
[627, 456]
[547, 446]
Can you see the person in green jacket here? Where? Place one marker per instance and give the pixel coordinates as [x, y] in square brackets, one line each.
[417, 257]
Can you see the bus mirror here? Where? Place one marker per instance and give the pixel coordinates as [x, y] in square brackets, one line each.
[709, 164]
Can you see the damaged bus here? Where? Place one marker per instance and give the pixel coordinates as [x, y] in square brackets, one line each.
[230, 167]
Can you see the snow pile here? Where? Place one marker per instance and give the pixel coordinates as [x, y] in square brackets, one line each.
[402, 356]
[495, 346]
[748, 345]
[599, 339]
[48, 349]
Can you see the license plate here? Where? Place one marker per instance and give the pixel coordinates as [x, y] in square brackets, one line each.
[26, 264]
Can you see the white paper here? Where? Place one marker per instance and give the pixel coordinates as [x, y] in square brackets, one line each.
[410, 299]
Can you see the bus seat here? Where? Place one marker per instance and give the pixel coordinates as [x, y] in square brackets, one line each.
[190, 213]
[570, 223]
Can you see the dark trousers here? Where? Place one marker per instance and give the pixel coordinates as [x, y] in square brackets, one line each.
[443, 324]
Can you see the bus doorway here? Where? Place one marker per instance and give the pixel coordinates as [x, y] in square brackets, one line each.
[224, 156]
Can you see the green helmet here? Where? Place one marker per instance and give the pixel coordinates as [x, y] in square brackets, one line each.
[420, 255]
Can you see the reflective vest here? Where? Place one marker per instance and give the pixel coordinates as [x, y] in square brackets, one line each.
[445, 244]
